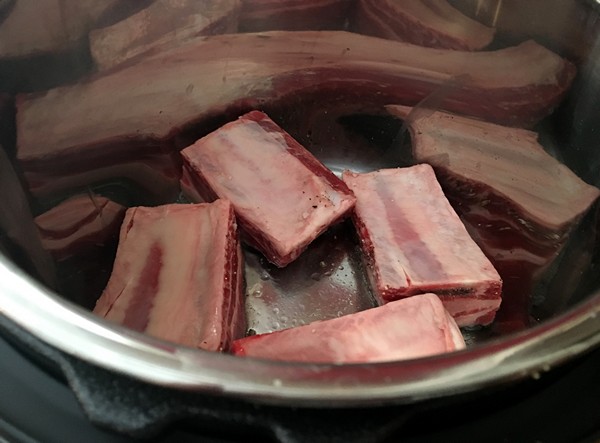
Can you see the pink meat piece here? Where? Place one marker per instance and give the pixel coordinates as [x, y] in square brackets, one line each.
[293, 15]
[178, 275]
[282, 195]
[431, 23]
[414, 327]
[415, 243]
[518, 202]
[164, 24]
[68, 132]
[32, 27]
[79, 224]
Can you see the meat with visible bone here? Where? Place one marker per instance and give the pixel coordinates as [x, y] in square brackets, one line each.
[293, 15]
[431, 23]
[517, 201]
[414, 243]
[282, 195]
[79, 224]
[178, 275]
[162, 25]
[70, 131]
[414, 327]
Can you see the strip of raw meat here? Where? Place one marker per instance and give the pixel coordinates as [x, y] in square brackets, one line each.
[517, 201]
[78, 224]
[230, 74]
[178, 275]
[282, 195]
[293, 15]
[431, 23]
[415, 327]
[162, 25]
[414, 243]
[33, 27]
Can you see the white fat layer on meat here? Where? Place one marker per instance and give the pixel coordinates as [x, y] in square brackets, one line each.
[415, 327]
[418, 240]
[187, 303]
[267, 185]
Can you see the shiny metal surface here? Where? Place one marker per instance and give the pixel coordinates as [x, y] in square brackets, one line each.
[328, 282]
[79, 333]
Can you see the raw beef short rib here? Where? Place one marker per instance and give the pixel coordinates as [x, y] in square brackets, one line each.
[282, 195]
[415, 327]
[78, 224]
[72, 135]
[518, 202]
[415, 243]
[431, 23]
[164, 24]
[178, 275]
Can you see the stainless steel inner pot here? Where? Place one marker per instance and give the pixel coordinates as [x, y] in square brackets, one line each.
[569, 313]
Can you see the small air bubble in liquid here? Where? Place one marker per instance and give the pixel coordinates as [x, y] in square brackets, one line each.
[340, 313]
[315, 276]
[275, 310]
[302, 322]
[322, 264]
[328, 273]
[257, 293]
[264, 275]
[294, 322]
[276, 325]
[283, 319]
[341, 268]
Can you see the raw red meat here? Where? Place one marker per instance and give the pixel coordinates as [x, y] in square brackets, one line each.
[178, 275]
[293, 15]
[53, 26]
[415, 327]
[78, 224]
[432, 23]
[162, 25]
[69, 135]
[415, 243]
[517, 201]
[282, 195]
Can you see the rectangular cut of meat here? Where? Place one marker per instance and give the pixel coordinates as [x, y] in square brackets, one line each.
[415, 243]
[78, 224]
[414, 327]
[162, 25]
[293, 15]
[33, 27]
[431, 23]
[71, 130]
[178, 275]
[518, 202]
[282, 195]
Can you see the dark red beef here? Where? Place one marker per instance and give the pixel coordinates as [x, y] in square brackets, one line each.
[164, 24]
[431, 23]
[178, 275]
[414, 327]
[519, 203]
[139, 115]
[293, 15]
[282, 195]
[78, 224]
[414, 243]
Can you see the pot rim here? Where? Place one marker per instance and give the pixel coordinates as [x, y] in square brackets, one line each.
[81, 334]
